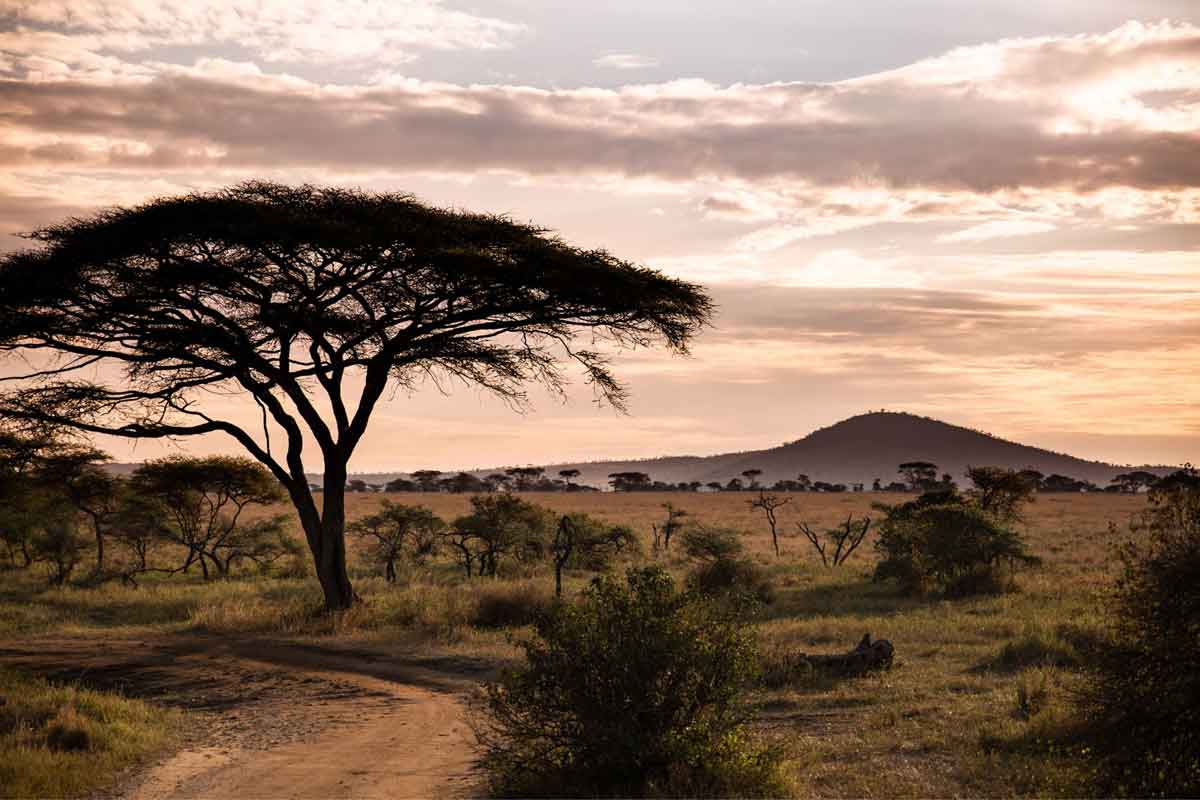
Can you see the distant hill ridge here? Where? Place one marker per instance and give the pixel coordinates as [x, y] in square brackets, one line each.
[855, 450]
[860, 449]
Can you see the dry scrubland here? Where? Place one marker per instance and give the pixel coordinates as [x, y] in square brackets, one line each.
[977, 682]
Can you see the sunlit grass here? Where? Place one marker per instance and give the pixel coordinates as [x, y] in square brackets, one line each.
[62, 741]
[946, 720]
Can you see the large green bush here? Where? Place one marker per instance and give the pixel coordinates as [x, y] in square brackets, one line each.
[944, 542]
[1145, 686]
[634, 691]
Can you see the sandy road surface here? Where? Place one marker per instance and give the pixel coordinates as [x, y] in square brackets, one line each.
[280, 719]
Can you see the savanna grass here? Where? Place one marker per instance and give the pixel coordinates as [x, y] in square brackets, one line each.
[62, 741]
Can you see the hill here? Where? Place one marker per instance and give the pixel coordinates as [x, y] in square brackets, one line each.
[860, 449]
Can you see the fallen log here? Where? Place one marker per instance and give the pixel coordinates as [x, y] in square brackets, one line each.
[868, 656]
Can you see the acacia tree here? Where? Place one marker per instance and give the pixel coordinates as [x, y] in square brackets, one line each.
[199, 503]
[77, 473]
[312, 301]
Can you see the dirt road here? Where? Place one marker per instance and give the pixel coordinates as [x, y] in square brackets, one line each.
[281, 719]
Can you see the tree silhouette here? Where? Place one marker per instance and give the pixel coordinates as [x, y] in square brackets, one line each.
[312, 301]
[524, 477]
[919, 475]
[769, 504]
[568, 475]
[629, 481]
[752, 476]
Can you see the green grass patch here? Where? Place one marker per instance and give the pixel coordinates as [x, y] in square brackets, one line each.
[63, 741]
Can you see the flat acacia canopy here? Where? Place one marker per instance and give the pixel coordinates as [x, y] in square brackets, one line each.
[284, 293]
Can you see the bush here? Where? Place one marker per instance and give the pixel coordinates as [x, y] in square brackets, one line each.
[1141, 700]
[632, 691]
[706, 543]
[511, 605]
[945, 542]
[722, 569]
[725, 576]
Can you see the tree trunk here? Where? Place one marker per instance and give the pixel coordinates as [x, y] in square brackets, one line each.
[99, 545]
[329, 552]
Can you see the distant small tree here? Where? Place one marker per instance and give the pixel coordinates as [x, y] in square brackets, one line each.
[752, 476]
[769, 504]
[396, 531]
[877, 485]
[400, 485]
[580, 537]
[1135, 481]
[734, 485]
[804, 481]
[464, 483]
[356, 485]
[1033, 476]
[716, 486]
[569, 475]
[497, 482]
[1000, 492]
[920, 476]
[1064, 483]
[524, 477]
[426, 479]
[670, 526]
[629, 481]
[837, 544]
[501, 525]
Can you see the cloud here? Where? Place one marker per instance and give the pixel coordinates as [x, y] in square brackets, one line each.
[1017, 124]
[996, 230]
[624, 61]
[377, 31]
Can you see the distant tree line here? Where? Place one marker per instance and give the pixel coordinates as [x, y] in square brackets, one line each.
[914, 476]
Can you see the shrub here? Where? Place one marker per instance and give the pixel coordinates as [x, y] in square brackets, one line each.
[724, 576]
[708, 543]
[632, 691]
[511, 605]
[1141, 699]
[721, 569]
[946, 542]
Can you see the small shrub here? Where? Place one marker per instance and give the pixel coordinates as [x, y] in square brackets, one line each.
[710, 543]
[721, 569]
[726, 575]
[1032, 691]
[945, 542]
[1034, 651]
[511, 605]
[632, 691]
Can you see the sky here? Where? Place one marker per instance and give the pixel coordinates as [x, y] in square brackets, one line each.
[984, 213]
